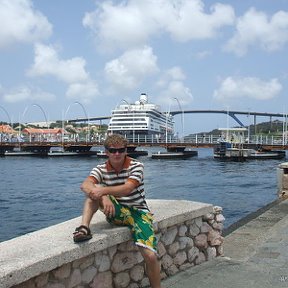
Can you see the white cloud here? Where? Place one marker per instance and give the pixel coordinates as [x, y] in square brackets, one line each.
[175, 73]
[72, 72]
[256, 29]
[177, 89]
[121, 26]
[84, 91]
[189, 20]
[247, 87]
[202, 54]
[24, 93]
[130, 69]
[172, 86]
[20, 23]
[131, 23]
[47, 62]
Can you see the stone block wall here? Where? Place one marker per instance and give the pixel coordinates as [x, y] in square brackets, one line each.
[282, 175]
[181, 246]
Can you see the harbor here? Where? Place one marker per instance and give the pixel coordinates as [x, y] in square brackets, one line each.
[142, 123]
[54, 194]
[184, 172]
[151, 137]
[205, 117]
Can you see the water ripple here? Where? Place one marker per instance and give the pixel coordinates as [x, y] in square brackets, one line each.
[39, 192]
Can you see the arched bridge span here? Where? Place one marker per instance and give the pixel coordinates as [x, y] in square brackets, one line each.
[232, 114]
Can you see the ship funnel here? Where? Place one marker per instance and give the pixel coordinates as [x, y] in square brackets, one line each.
[143, 98]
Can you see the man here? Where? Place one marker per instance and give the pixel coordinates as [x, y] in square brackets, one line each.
[117, 188]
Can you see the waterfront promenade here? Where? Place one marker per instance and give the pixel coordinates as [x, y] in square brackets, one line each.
[255, 255]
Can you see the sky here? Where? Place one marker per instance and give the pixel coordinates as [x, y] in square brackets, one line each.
[70, 59]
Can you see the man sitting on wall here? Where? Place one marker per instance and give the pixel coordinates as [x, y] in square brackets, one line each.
[117, 189]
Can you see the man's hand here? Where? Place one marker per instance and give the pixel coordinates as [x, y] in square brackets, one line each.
[97, 192]
[108, 206]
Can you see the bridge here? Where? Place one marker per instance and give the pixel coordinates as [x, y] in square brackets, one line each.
[144, 140]
[83, 148]
[231, 113]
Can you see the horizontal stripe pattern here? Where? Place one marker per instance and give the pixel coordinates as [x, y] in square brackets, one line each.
[135, 171]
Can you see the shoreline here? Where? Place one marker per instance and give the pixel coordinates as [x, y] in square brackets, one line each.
[251, 216]
[255, 254]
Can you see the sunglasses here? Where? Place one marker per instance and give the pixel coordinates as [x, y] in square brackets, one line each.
[114, 150]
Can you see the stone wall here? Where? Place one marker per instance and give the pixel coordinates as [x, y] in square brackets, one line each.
[186, 238]
[282, 178]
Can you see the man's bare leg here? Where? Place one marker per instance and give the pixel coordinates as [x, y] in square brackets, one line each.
[83, 233]
[89, 209]
[152, 267]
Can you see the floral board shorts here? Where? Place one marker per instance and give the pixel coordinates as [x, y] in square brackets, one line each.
[139, 222]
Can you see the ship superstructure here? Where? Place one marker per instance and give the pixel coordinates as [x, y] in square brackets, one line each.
[141, 118]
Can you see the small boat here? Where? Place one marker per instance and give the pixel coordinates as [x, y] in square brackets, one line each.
[175, 152]
[265, 154]
[131, 152]
[20, 153]
[61, 152]
[101, 154]
[226, 151]
[232, 148]
[236, 152]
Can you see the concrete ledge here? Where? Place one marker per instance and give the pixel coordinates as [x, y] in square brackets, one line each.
[242, 243]
[256, 255]
[30, 255]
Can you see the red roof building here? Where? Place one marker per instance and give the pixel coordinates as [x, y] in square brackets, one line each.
[7, 129]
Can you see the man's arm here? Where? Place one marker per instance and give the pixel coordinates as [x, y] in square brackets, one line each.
[97, 191]
[105, 203]
[88, 185]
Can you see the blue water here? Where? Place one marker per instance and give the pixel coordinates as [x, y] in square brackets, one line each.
[39, 192]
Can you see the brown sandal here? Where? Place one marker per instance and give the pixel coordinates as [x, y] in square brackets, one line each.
[82, 233]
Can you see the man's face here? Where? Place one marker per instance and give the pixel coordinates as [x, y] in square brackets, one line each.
[116, 154]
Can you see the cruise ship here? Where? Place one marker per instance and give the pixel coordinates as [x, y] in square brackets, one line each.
[141, 118]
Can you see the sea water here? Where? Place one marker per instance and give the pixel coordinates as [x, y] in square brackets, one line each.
[39, 192]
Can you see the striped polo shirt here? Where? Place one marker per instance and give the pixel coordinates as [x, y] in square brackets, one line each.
[133, 170]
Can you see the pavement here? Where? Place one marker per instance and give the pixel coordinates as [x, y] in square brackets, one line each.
[255, 255]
